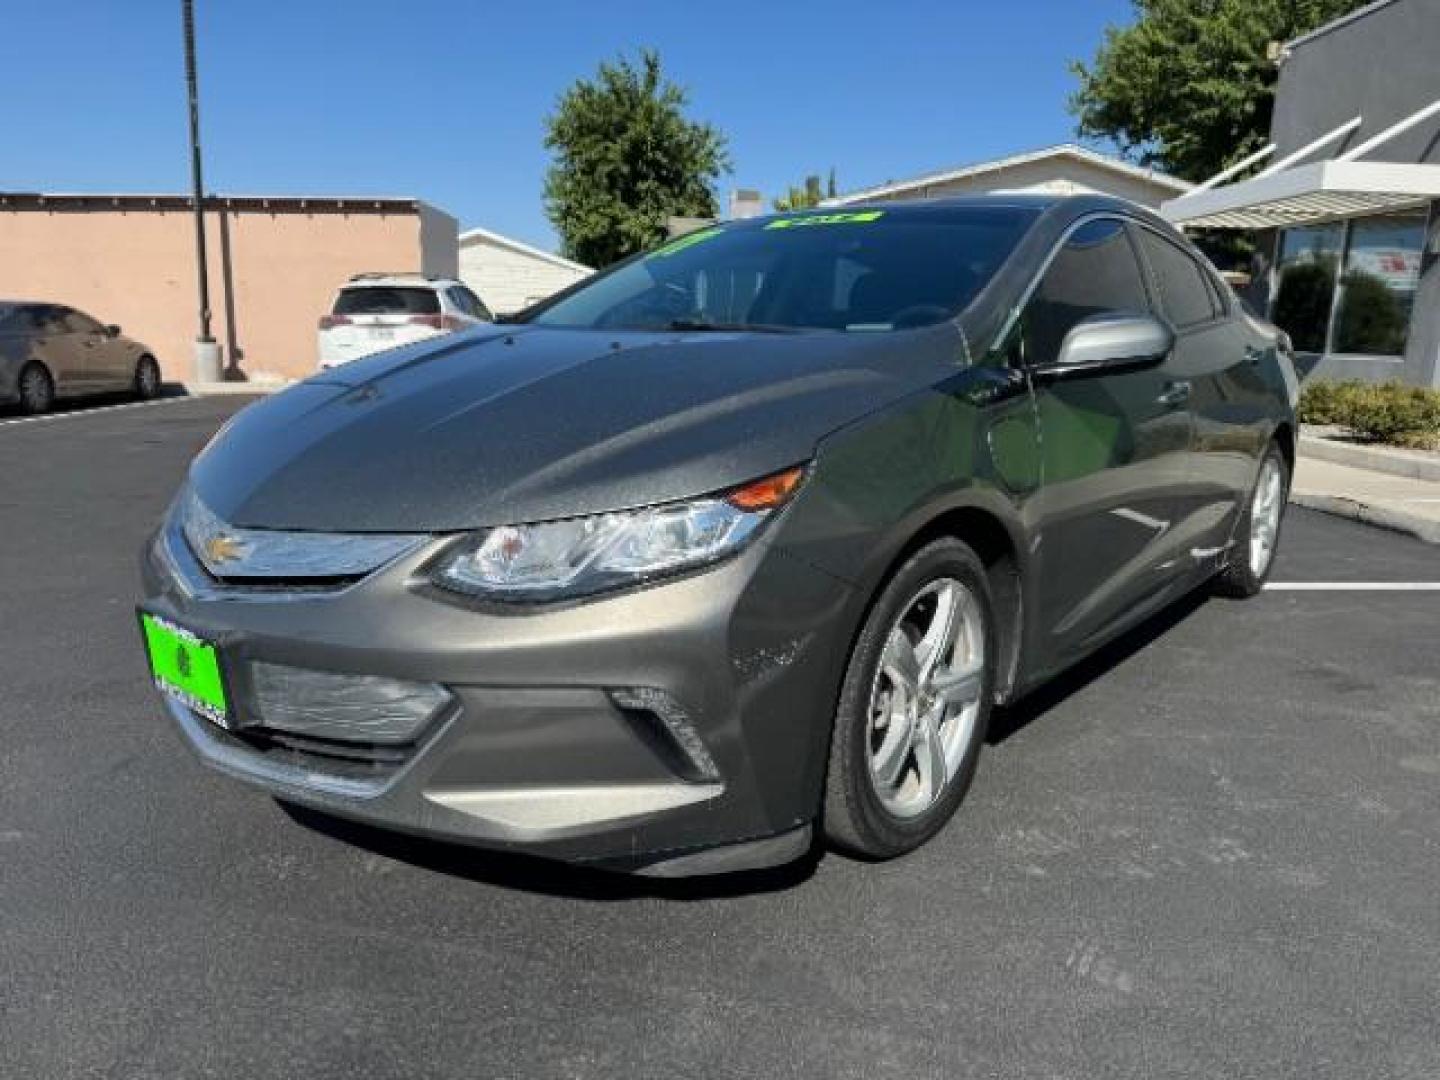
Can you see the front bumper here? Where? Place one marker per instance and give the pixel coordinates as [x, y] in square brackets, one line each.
[677, 728]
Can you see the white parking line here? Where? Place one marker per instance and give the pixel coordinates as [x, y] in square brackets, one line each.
[1354, 586]
[50, 418]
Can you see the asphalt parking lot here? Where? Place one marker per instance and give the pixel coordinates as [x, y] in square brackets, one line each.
[1213, 851]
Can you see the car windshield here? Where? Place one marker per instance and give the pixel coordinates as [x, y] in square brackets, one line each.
[386, 300]
[857, 270]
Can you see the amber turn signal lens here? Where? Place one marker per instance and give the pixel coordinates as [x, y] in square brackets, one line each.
[767, 493]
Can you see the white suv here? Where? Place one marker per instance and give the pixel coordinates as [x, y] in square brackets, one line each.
[380, 311]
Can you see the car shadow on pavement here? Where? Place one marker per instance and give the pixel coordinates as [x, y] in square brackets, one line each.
[547, 876]
[94, 401]
[1008, 720]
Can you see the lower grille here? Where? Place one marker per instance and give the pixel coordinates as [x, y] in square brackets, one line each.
[352, 761]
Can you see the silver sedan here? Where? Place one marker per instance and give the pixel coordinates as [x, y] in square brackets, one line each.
[49, 351]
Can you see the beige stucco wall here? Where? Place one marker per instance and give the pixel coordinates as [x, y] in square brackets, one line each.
[136, 268]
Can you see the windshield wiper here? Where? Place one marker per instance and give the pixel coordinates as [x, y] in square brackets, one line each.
[700, 325]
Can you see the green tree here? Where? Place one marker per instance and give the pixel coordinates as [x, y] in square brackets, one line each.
[807, 195]
[626, 159]
[1189, 86]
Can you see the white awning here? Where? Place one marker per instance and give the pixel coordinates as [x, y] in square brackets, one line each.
[1307, 194]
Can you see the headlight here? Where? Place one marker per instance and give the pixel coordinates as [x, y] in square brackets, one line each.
[586, 555]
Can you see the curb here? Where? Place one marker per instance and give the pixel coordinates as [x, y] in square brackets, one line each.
[1413, 466]
[1368, 514]
[220, 389]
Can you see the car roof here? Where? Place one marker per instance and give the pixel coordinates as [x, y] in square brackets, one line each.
[409, 281]
[1069, 205]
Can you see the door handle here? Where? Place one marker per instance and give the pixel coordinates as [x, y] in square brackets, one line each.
[1253, 355]
[1175, 393]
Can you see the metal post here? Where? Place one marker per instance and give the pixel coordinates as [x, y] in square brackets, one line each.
[207, 353]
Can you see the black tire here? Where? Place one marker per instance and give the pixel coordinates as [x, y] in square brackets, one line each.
[37, 390]
[147, 379]
[1239, 580]
[854, 817]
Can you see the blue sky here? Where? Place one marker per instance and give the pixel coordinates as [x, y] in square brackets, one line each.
[445, 101]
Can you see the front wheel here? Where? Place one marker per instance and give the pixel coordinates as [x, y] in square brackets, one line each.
[147, 378]
[914, 705]
[1258, 534]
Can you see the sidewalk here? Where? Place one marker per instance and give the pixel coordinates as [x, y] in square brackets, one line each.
[1404, 503]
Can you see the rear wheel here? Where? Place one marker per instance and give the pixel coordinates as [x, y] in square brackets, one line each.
[147, 378]
[1258, 534]
[37, 390]
[914, 705]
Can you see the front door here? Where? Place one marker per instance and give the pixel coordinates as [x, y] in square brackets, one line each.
[107, 358]
[1223, 358]
[1115, 453]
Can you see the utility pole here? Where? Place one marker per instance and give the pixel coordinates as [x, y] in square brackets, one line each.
[207, 352]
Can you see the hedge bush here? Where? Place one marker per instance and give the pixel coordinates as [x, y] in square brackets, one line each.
[1385, 412]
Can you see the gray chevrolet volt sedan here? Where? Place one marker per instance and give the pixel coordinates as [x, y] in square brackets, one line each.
[734, 544]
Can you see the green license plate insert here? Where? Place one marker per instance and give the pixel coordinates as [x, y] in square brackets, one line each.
[185, 667]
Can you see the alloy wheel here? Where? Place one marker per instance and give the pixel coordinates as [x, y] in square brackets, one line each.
[1265, 511]
[36, 391]
[147, 378]
[925, 697]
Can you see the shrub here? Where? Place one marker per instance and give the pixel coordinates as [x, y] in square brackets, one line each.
[1325, 402]
[1386, 412]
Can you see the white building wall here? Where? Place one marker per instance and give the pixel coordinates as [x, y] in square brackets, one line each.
[507, 279]
[1060, 176]
[439, 242]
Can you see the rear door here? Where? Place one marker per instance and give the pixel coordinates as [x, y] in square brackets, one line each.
[60, 349]
[1114, 449]
[1220, 359]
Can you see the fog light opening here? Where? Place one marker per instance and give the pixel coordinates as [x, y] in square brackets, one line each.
[662, 724]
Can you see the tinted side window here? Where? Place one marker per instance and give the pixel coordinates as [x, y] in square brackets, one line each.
[468, 302]
[49, 319]
[477, 306]
[1095, 271]
[25, 319]
[1185, 295]
[77, 322]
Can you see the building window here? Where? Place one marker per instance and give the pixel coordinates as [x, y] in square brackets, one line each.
[1305, 283]
[1378, 261]
[1377, 291]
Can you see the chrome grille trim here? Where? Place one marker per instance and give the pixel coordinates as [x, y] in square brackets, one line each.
[240, 556]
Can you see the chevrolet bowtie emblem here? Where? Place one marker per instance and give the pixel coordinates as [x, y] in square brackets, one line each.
[223, 549]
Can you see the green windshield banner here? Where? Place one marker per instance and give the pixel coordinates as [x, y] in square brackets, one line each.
[848, 217]
[689, 240]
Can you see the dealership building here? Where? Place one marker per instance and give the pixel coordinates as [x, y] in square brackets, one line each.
[1343, 203]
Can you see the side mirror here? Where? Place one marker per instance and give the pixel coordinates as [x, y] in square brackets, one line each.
[1116, 341]
[113, 329]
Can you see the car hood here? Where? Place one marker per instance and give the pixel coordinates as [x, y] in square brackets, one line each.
[516, 424]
